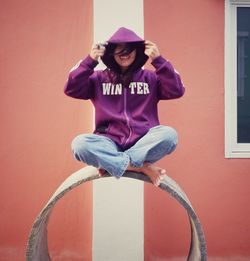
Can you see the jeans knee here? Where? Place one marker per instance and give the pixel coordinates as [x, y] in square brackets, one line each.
[169, 137]
[172, 134]
[79, 146]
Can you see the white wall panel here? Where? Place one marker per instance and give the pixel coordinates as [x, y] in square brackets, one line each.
[118, 208]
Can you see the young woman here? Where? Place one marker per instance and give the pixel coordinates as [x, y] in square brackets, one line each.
[127, 135]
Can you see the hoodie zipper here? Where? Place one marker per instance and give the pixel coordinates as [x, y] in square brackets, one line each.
[126, 117]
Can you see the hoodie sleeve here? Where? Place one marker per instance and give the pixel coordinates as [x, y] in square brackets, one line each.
[80, 81]
[170, 85]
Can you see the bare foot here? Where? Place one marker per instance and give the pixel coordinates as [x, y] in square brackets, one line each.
[154, 173]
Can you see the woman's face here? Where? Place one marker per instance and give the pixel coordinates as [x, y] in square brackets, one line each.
[124, 60]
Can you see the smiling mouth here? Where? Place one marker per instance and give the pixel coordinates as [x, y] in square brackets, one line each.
[124, 57]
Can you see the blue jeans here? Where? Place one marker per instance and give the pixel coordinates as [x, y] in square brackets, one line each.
[101, 152]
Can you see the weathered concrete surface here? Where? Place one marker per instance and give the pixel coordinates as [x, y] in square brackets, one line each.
[37, 248]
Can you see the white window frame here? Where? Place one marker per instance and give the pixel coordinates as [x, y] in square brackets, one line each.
[232, 148]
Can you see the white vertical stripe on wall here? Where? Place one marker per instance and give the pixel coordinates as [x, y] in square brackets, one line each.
[118, 205]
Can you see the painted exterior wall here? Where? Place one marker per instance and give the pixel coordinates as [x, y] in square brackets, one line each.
[118, 206]
[191, 35]
[40, 42]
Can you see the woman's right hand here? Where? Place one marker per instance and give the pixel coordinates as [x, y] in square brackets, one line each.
[97, 51]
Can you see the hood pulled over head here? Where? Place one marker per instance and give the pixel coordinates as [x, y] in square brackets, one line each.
[132, 41]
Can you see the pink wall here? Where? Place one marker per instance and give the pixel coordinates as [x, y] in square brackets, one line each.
[40, 42]
[191, 35]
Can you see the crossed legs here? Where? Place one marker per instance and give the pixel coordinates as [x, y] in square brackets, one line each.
[102, 153]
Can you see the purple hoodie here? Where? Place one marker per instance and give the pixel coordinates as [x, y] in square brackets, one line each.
[124, 111]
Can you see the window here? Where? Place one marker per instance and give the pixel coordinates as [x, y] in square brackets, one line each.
[237, 79]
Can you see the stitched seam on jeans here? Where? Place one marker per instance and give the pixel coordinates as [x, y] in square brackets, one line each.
[124, 167]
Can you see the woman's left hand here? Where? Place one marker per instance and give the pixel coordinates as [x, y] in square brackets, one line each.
[151, 50]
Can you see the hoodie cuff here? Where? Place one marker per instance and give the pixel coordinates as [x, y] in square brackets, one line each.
[89, 62]
[158, 61]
